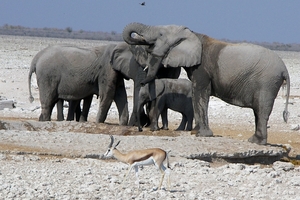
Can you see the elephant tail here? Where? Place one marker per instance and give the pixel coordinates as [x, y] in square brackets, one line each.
[31, 71]
[287, 95]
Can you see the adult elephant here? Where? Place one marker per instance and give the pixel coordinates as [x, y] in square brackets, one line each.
[241, 74]
[72, 73]
[131, 61]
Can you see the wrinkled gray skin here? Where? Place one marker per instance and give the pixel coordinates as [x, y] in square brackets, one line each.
[241, 74]
[168, 93]
[72, 73]
[131, 60]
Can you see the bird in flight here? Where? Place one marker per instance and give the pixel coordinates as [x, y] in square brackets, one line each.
[143, 4]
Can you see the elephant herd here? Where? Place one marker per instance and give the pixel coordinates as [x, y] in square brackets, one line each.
[241, 74]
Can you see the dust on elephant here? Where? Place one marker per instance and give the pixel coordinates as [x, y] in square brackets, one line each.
[131, 61]
[168, 93]
[72, 73]
[241, 74]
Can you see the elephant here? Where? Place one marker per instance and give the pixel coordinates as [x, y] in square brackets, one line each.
[131, 61]
[241, 74]
[168, 93]
[73, 73]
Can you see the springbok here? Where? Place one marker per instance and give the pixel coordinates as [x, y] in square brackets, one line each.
[142, 157]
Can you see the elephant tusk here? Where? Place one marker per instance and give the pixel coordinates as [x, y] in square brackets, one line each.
[146, 68]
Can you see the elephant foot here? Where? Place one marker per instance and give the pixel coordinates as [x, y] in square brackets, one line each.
[132, 123]
[202, 133]
[154, 129]
[257, 140]
[82, 119]
[180, 128]
[42, 118]
[165, 128]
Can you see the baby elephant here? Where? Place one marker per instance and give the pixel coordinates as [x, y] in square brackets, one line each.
[175, 94]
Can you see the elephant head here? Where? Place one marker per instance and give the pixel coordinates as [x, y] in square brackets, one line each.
[131, 61]
[126, 62]
[173, 46]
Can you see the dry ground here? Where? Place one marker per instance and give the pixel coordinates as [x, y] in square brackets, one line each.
[55, 160]
[226, 120]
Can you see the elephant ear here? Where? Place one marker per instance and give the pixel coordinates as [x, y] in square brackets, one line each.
[156, 88]
[185, 51]
[120, 59]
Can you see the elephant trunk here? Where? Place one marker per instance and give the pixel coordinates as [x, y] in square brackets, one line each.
[153, 67]
[132, 34]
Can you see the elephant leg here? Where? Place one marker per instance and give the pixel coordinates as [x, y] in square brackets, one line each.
[47, 106]
[133, 117]
[87, 101]
[48, 97]
[154, 115]
[106, 96]
[200, 98]
[164, 119]
[60, 110]
[72, 108]
[140, 107]
[189, 125]
[46, 113]
[182, 123]
[104, 105]
[262, 110]
[260, 135]
[144, 119]
[120, 99]
[78, 112]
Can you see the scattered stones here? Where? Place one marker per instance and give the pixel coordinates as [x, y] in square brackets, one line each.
[62, 160]
[7, 104]
[285, 166]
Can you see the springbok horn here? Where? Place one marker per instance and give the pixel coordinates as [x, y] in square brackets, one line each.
[111, 142]
[117, 144]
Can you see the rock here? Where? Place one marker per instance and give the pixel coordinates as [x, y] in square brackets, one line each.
[285, 166]
[295, 181]
[7, 104]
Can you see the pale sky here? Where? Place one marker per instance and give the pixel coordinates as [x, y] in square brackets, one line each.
[255, 20]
